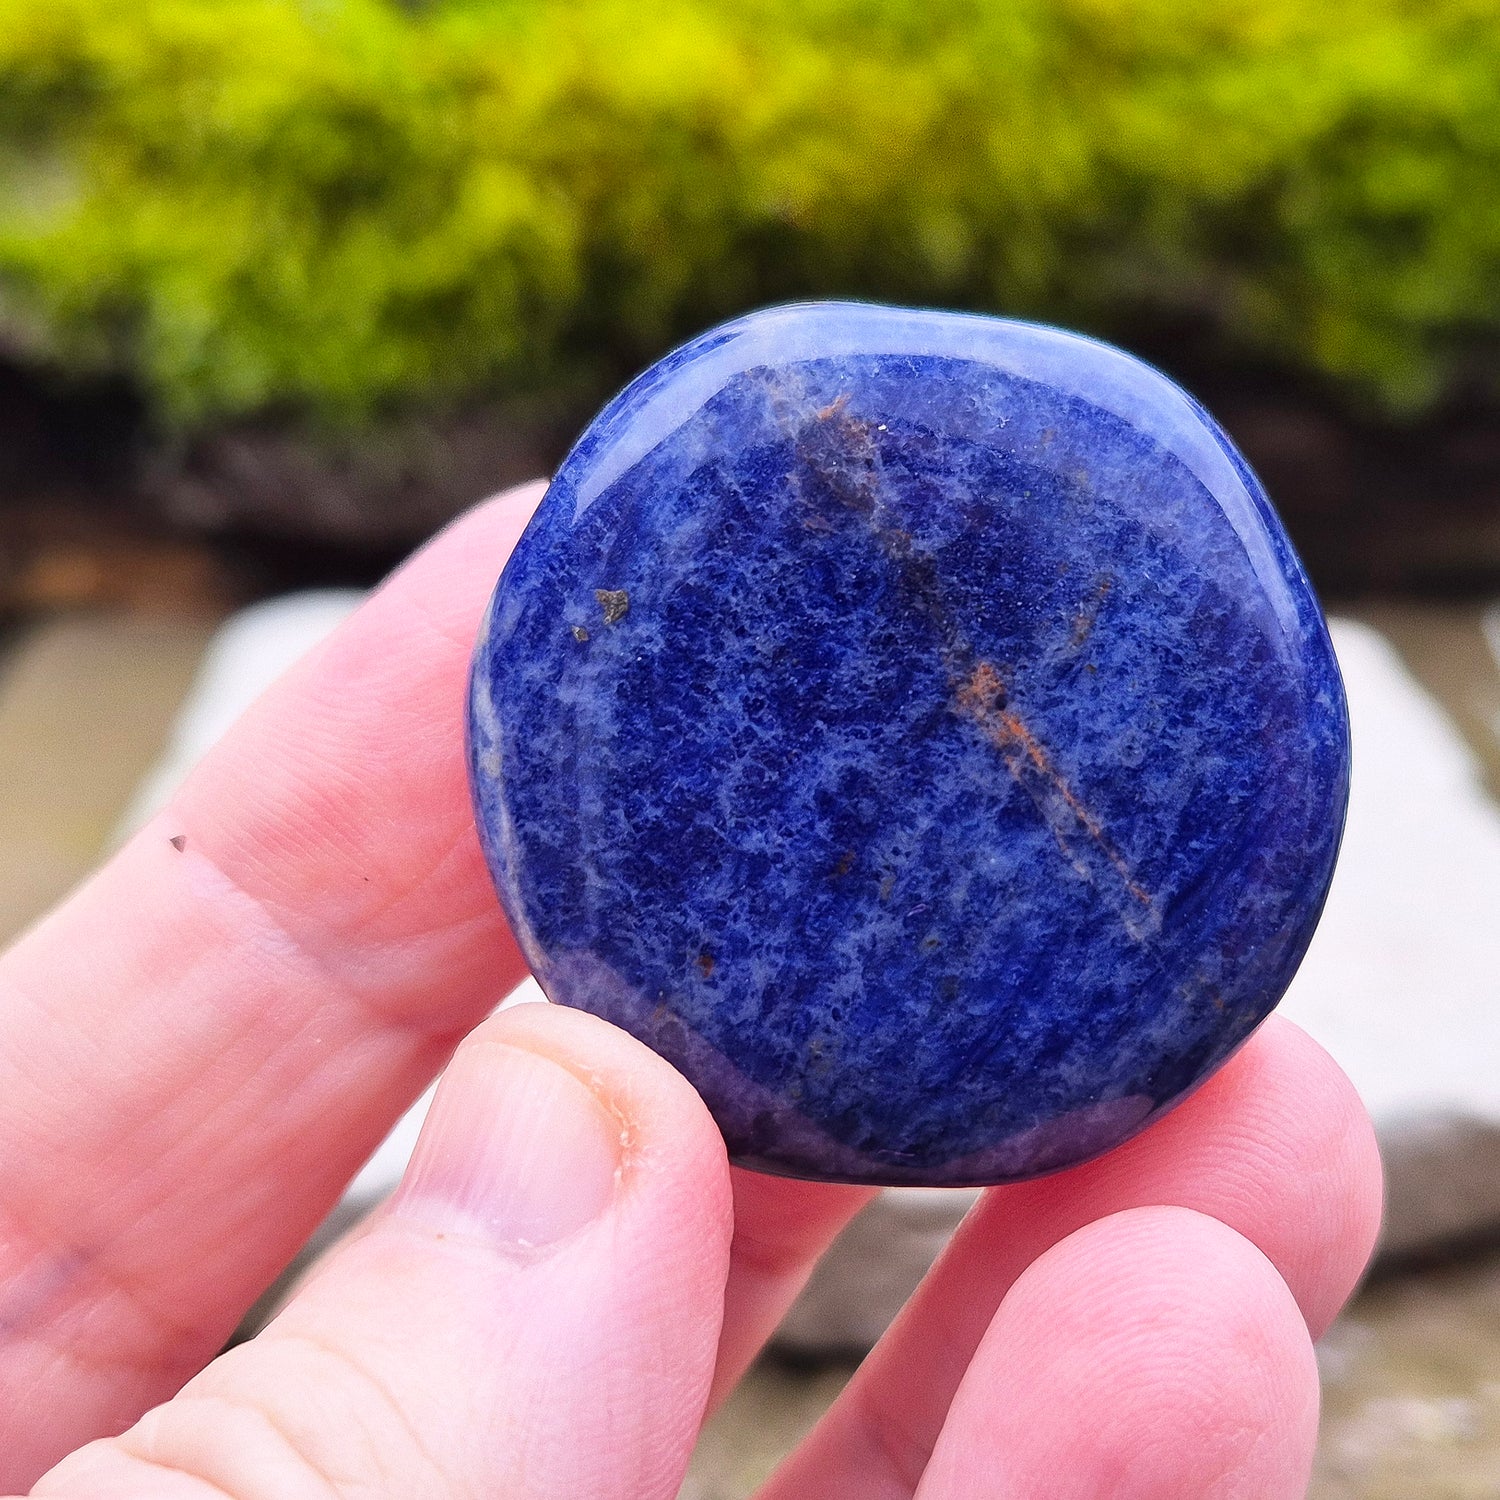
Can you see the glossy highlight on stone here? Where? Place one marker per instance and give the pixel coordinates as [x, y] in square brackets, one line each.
[917, 728]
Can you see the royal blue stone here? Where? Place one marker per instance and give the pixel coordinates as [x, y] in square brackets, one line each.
[918, 729]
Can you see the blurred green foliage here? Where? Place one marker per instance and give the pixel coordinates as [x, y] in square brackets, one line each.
[332, 207]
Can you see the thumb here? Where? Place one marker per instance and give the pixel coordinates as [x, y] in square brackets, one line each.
[535, 1314]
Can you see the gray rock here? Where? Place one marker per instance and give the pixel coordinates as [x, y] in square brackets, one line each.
[875, 1266]
[1402, 982]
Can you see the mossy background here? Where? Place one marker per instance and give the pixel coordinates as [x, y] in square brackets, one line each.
[334, 209]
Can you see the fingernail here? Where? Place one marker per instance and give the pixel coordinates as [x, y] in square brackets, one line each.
[516, 1150]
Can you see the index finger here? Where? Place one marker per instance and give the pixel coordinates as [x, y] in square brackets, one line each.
[204, 1043]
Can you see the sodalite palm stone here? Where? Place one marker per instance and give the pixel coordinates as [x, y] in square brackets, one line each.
[918, 729]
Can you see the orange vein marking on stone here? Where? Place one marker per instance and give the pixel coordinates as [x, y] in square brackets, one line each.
[982, 697]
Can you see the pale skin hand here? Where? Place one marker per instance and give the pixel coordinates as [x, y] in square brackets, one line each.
[202, 1045]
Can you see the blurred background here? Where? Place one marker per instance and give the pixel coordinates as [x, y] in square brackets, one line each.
[284, 284]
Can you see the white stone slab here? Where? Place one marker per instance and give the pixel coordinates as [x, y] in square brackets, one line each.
[1402, 982]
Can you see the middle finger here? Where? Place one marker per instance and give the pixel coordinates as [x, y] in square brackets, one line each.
[1277, 1146]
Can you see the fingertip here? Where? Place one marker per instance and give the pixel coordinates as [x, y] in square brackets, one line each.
[1344, 1171]
[1277, 1144]
[666, 1129]
[517, 1151]
[1286, 1153]
[1128, 1286]
[1154, 1354]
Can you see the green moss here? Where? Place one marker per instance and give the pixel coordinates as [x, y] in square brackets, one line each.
[336, 206]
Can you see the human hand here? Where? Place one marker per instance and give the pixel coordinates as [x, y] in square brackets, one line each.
[205, 1042]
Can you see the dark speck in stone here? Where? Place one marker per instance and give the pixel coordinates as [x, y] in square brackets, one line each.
[975, 734]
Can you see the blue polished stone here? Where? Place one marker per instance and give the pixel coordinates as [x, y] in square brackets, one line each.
[917, 728]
